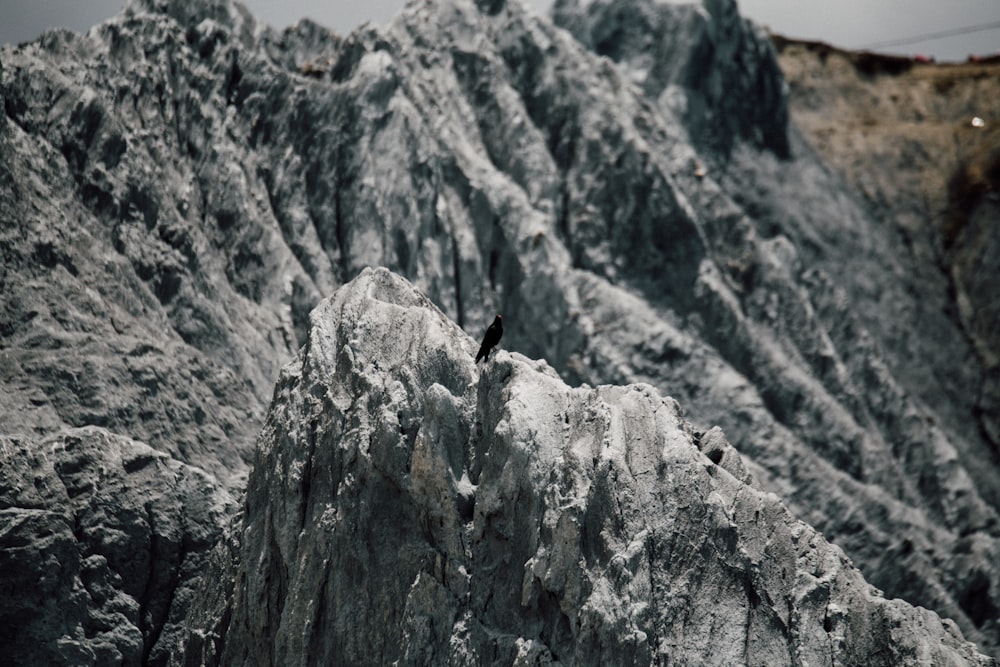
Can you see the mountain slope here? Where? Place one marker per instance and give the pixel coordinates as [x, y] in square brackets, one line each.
[183, 186]
[923, 164]
[102, 545]
[881, 303]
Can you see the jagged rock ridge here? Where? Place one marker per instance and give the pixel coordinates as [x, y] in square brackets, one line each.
[713, 68]
[406, 507]
[875, 325]
[184, 185]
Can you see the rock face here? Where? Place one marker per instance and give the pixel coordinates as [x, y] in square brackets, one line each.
[714, 69]
[102, 543]
[122, 308]
[181, 186]
[499, 516]
[874, 328]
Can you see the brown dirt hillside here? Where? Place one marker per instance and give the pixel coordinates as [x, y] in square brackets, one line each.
[920, 141]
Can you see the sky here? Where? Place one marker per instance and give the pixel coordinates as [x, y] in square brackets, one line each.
[843, 23]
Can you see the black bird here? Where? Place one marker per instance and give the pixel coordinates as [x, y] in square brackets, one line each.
[492, 337]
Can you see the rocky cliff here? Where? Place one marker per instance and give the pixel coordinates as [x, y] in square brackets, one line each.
[853, 109]
[181, 186]
[712, 69]
[407, 507]
[102, 543]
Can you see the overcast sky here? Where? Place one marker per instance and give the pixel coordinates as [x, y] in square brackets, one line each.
[845, 23]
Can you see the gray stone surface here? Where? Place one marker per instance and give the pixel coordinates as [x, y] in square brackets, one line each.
[864, 307]
[102, 543]
[409, 507]
[713, 69]
[181, 186]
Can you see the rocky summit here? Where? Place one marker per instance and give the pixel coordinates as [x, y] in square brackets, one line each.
[406, 507]
[191, 204]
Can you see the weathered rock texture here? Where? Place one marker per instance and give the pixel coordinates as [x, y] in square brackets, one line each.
[892, 357]
[714, 69]
[181, 186]
[102, 544]
[126, 301]
[406, 507]
[923, 165]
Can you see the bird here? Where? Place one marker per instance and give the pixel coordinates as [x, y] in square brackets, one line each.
[493, 335]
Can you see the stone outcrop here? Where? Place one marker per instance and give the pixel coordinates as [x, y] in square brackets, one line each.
[407, 507]
[121, 307]
[102, 544]
[874, 326]
[181, 186]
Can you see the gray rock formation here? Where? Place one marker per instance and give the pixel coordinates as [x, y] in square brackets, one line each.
[121, 307]
[102, 544]
[181, 186]
[406, 507]
[712, 68]
[871, 330]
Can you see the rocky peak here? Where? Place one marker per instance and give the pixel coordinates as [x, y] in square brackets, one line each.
[494, 514]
